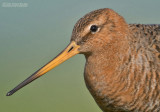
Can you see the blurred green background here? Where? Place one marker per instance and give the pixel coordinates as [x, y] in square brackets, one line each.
[31, 36]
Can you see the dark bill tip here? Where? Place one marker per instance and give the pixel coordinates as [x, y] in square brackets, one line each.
[71, 50]
[10, 93]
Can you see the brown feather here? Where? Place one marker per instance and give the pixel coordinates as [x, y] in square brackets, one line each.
[122, 70]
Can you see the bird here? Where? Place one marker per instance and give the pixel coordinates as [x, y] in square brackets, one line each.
[122, 69]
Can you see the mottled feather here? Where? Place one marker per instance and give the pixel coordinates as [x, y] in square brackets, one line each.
[122, 69]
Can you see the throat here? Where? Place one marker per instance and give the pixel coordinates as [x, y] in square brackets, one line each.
[102, 68]
[115, 81]
[114, 76]
[107, 61]
[101, 76]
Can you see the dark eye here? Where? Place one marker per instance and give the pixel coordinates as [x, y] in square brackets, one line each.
[94, 28]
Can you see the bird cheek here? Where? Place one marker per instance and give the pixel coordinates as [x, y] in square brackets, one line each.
[85, 48]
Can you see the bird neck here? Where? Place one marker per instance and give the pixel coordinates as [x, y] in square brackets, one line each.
[105, 63]
[109, 57]
[101, 70]
[115, 71]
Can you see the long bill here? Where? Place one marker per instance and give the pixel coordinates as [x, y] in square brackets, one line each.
[68, 52]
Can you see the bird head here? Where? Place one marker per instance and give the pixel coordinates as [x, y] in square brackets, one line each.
[97, 30]
[93, 32]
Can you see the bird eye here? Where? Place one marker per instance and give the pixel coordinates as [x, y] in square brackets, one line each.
[94, 28]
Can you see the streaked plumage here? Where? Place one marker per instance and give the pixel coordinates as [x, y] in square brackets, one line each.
[122, 70]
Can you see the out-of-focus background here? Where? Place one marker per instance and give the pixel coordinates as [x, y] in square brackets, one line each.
[32, 33]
